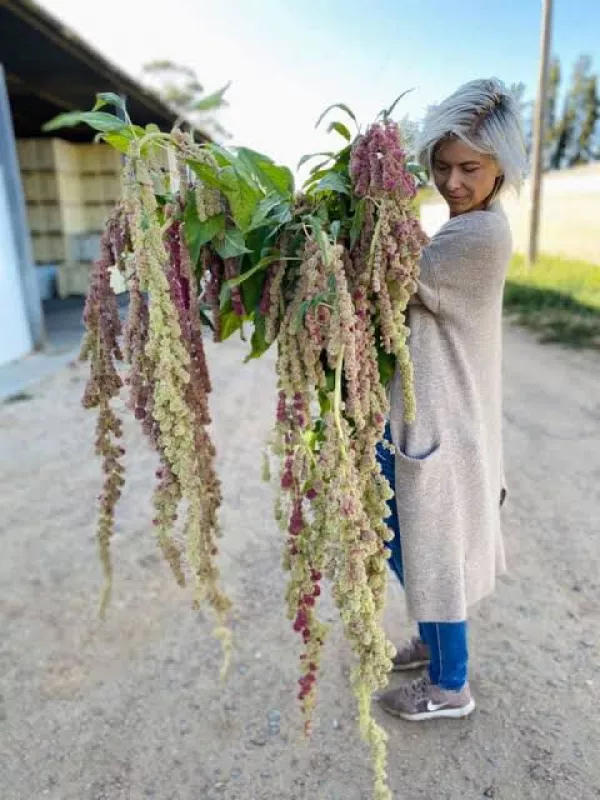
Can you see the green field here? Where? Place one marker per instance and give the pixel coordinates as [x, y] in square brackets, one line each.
[558, 298]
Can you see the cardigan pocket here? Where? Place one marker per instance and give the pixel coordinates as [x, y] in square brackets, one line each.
[420, 491]
[428, 552]
[422, 460]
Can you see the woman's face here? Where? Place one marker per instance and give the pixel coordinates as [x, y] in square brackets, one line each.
[464, 177]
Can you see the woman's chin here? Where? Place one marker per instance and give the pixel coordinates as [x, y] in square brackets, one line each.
[458, 206]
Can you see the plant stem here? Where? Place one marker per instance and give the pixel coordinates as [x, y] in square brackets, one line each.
[152, 136]
[376, 234]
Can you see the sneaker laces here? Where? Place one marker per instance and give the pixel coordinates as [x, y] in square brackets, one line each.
[412, 648]
[418, 689]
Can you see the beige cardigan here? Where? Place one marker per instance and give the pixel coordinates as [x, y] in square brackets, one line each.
[449, 466]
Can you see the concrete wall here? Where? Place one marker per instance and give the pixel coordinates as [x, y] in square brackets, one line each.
[21, 316]
[570, 220]
[15, 334]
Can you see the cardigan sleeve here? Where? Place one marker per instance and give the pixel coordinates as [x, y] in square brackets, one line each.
[464, 262]
[427, 293]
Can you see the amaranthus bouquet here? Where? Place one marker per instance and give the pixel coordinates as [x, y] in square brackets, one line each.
[219, 238]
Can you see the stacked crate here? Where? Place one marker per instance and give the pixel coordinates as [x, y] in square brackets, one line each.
[70, 190]
[99, 190]
[39, 177]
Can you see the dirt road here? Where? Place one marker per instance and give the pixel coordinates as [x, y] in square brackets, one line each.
[132, 709]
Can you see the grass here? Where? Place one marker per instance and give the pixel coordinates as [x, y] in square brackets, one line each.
[558, 298]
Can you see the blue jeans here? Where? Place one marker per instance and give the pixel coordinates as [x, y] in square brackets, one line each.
[447, 641]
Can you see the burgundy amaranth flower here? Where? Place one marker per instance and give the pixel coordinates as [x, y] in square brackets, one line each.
[232, 266]
[101, 348]
[378, 163]
[281, 408]
[167, 495]
[296, 519]
[265, 299]
[213, 268]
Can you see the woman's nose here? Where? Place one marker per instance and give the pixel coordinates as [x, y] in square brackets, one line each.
[454, 180]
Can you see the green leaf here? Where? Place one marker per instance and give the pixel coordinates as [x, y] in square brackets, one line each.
[388, 112]
[320, 237]
[264, 208]
[118, 141]
[330, 379]
[308, 157]
[325, 403]
[279, 178]
[387, 366]
[262, 264]
[333, 182]
[343, 158]
[335, 229]
[205, 319]
[343, 108]
[252, 290]
[212, 101]
[111, 99]
[222, 156]
[320, 169]
[316, 176]
[229, 323]
[357, 221]
[224, 296]
[199, 233]
[282, 214]
[340, 128]
[206, 174]
[271, 176]
[98, 120]
[230, 244]
[243, 198]
[258, 341]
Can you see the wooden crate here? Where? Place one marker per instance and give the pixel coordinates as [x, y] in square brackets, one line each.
[70, 190]
[48, 248]
[95, 216]
[98, 158]
[73, 279]
[66, 157]
[35, 154]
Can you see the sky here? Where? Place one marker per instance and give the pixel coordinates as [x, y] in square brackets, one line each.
[288, 60]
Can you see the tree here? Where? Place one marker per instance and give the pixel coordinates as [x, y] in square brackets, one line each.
[590, 112]
[554, 78]
[180, 88]
[410, 133]
[526, 109]
[572, 139]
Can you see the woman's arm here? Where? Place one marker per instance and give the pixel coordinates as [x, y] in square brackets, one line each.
[465, 261]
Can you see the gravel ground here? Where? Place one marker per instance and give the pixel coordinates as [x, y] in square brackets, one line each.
[131, 708]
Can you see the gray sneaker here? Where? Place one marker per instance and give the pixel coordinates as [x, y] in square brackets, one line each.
[413, 656]
[421, 700]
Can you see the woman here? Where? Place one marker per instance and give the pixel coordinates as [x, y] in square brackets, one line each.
[447, 469]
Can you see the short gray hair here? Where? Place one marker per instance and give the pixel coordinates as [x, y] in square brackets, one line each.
[486, 116]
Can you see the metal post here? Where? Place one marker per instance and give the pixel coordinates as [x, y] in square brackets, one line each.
[10, 163]
[539, 131]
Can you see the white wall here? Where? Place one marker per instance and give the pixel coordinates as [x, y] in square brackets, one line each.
[15, 336]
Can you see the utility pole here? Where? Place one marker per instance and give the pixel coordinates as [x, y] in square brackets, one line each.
[539, 131]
